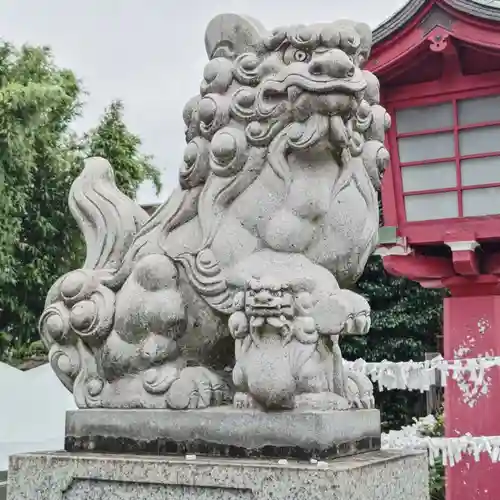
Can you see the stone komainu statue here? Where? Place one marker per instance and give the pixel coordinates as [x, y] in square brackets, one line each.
[276, 214]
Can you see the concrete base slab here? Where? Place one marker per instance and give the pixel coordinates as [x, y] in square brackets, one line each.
[379, 475]
[224, 432]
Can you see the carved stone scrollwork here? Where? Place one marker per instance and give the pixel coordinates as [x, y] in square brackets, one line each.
[228, 152]
[217, 76]
[242, 104]
[213, 111]
[75, 325]
[195, 168]
[246, 69]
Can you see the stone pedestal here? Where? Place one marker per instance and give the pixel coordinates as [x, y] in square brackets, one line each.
[381, 475]
[223, 431]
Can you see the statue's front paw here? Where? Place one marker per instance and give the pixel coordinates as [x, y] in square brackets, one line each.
[357, 324]
[359, 390]
[358, 320]
[245, 401]
[196, 387]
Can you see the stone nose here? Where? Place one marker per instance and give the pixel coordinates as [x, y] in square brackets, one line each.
[335, 63]
[263, 297]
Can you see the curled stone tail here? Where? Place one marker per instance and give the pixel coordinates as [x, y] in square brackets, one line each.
[107, 218]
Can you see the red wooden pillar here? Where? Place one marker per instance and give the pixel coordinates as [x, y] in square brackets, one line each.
[471, 329]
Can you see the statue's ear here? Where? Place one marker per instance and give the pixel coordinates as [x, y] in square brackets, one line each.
[365, 34]
[362, 30]
[229, 35]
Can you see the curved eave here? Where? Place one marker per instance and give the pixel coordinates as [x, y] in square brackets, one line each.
[397, 21]
[476, 9]
[404, 15]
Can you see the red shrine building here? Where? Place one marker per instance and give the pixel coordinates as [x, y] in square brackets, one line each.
[438, 62]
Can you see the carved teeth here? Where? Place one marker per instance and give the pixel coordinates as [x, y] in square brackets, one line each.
[294, 93]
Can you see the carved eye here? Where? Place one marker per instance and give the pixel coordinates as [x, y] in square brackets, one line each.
[300, 56]
[292, 54]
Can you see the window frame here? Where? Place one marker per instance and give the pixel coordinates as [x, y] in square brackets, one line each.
[447, 90]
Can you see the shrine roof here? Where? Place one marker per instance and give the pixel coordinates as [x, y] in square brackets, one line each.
[484, 9]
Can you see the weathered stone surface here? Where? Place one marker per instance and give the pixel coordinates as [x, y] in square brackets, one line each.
[274, 218]
[225, 432]
[85, 476]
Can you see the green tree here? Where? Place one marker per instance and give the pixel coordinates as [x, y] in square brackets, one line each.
[406, 319]
[40, 157]
[112, 140]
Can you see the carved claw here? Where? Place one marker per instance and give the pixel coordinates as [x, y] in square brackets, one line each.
[356, 402]
[245, 401]
[351, 312]
[358, 324]
[363, 323]
[349, 325]
[368, 402]
[359, 390]
[158, 380]
[196, 387]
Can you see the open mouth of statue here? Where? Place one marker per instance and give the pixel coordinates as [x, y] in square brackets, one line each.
[268, 311]
[279, 88]
[268, 305]
[307, 94]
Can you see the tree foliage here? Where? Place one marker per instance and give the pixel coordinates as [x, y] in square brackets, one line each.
[112, 140]
[40, 156]
[406, 319]
[437, 476]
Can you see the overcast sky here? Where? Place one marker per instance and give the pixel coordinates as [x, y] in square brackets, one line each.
[151, 53]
